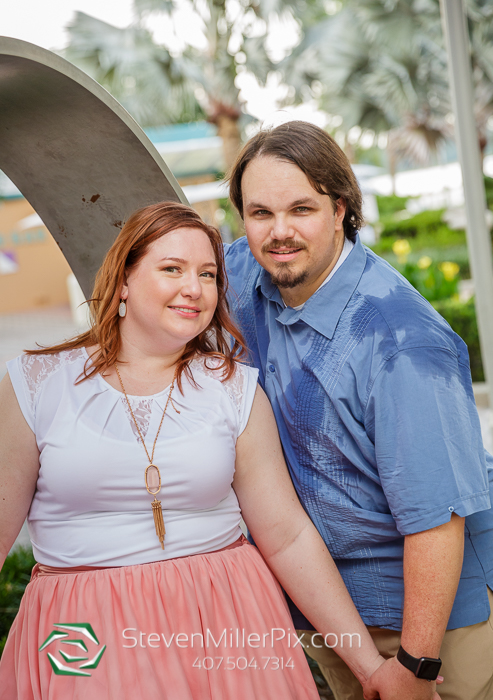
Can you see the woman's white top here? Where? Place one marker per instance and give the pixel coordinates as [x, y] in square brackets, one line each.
[91, 507]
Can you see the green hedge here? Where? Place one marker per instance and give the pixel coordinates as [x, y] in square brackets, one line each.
[425, 222]
[389, 205]
[462, 318]
[14, 578]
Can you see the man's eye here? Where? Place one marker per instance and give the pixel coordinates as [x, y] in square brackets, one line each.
[302, 209]
[261, 212]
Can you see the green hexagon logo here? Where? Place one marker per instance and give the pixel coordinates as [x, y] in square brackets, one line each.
[81, 629]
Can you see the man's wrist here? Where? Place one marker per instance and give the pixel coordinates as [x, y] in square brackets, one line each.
[419, 647]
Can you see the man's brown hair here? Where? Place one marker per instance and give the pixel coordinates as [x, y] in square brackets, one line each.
[317, 155]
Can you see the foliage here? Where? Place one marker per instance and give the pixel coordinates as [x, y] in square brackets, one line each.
[427, 233]
[462, 317]
[231, 218]
[157, 84]
[434, 281]
[410, 226]
[381, 66]
[488, 186]
[14, 578]
[425, 247]
[323, 689]
[152, 85]
[389, 205]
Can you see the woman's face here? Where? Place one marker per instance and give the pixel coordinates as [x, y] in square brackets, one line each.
[171, 293]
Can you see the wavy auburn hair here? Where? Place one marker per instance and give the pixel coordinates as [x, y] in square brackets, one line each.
[141, 230]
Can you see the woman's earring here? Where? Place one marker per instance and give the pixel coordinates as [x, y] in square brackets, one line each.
[122, 309]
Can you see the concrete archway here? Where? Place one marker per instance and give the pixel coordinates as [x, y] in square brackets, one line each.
[75, 154]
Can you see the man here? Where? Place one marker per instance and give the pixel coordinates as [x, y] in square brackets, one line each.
[373, 399]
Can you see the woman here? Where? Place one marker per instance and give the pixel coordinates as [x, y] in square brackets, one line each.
[148, 592]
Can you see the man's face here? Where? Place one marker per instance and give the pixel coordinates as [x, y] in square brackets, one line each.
[294, 232]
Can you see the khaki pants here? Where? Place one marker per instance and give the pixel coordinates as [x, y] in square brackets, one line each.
[467, 655]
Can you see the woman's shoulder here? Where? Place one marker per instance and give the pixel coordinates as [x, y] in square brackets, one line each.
[36, 369]
[31, 374]
[235, 386]
[215, 368]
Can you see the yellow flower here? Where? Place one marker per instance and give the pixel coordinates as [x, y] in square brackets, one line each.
[450, 270]
[401, 248]
[424, 262]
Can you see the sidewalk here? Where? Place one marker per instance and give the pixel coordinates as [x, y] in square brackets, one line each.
[22, 331]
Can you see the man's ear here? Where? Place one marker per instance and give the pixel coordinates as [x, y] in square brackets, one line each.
[340, 212]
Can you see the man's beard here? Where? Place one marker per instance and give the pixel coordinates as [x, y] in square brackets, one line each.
[286, 279]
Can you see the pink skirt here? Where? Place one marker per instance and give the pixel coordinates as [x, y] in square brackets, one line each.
[210, 626]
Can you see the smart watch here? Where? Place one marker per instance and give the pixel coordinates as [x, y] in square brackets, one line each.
[424, 667]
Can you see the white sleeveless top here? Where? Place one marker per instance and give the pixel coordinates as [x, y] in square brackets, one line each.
[91, 507]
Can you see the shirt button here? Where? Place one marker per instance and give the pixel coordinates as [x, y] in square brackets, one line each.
[451, 509]
[272, 368]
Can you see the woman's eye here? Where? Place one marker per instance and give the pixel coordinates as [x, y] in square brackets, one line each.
[171, 268]
[211, 275]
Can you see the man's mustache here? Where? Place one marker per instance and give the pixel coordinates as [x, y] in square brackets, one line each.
[288, 243]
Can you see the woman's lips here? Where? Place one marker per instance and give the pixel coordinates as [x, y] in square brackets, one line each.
[188, 311]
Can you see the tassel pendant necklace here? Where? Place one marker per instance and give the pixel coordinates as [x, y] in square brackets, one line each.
[152, 474]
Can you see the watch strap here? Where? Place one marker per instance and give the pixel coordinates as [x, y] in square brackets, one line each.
[424, 667]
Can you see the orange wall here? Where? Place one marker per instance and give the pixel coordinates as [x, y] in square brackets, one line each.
[41, 279]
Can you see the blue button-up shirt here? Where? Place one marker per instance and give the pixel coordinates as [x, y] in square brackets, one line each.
[372, 394]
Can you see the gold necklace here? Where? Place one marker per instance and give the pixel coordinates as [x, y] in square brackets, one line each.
[152, 474]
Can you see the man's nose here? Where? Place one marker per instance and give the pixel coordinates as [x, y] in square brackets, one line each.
[281, 228]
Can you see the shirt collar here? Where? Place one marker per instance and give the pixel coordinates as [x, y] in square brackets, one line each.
[323, 309]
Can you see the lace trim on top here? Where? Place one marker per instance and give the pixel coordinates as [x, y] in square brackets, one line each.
[234, 386]
[142, 408]
[37, 368]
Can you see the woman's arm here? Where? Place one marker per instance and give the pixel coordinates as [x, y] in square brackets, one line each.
[19, 466]
[290, 543]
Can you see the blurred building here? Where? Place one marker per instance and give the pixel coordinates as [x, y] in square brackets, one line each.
[34, 272]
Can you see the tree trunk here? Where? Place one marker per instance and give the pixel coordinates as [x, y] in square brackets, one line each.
[227, 129]
[392, 165]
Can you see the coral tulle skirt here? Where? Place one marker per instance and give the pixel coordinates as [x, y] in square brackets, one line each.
[206, 627]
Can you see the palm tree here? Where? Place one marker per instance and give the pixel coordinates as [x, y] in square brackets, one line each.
[381, 65]
[157, 86]
[153, 86]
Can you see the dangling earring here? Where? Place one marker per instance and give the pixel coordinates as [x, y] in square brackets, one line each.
[122, 309]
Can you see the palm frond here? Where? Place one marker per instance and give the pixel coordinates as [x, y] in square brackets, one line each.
[151, 85]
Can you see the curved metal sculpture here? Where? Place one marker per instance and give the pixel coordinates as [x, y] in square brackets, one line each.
[75, 154]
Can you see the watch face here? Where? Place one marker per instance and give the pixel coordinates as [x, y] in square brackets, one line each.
[428, 669]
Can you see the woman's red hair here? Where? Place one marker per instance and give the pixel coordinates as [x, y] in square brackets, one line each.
[141, 230]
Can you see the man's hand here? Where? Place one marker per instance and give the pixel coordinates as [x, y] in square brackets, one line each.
[391, 681]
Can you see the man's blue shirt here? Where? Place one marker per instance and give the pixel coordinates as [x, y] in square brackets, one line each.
[372, 394]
